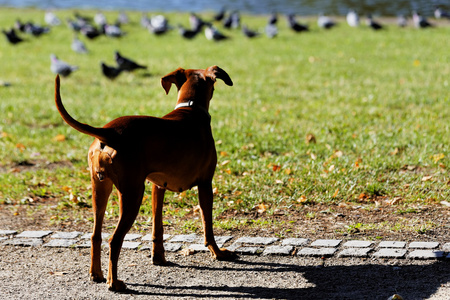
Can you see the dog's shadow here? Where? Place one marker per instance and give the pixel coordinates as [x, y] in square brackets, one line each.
[371, 281]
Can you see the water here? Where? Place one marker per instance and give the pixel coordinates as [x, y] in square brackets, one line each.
[301, 7]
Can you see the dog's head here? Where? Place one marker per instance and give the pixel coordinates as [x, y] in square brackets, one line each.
[195, 84]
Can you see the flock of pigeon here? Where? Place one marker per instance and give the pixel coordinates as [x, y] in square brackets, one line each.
[92, 28]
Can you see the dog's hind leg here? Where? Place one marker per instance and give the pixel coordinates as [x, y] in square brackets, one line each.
[205, 196]
[130, 199]
[157, 228]
[100, 194]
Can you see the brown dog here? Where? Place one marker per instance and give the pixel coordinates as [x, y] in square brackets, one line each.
[175, 152]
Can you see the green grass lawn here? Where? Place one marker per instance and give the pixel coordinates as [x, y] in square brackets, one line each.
[345, 115]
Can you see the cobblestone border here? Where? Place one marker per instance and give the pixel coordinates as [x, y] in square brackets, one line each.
[242, 245]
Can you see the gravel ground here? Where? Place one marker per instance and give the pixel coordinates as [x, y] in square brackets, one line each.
[49, 273]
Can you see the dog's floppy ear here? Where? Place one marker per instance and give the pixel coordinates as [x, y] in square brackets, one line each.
[178, 77]
[216, 72]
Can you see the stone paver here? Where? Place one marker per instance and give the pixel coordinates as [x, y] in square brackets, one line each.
[130, 245]
[7, 232]
[249, 250]
[392, 244]
[87, 236]
[424, 245]
[66, 235]
[132, 237]
[390, 253]
[184, 238]
[148, 237]
[24, 242]
[426, 254]
[169, 247]
[256, 240]
[241, 245]
[358, 244]
[446, 247]
[295, 242]
[325, 251]
[63, 243]
[33, 234]
[355, 252]
[278, 250]
[326, 243]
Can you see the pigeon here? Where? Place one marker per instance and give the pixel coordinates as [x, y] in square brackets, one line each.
[297, 27]
[158, 25]
[73, 25]
[273, 19]
[196, 22]
[233, 21]
[126, 64]
[271, 30]
[100, 19]
[352, 19]
[145, 20]
[113, 31]
[372, 24]
[51, 19]
[220, 15]
[212, 33]
[420, 21]
[110, 72]
[19, 25]
[123, 18]
[325, 22]
[187, 33]
[35, 30]
[402, 21]
[249, 33]
[12, 37]
[60, 67]
[439, 13]
[78, 46]
[90, 32]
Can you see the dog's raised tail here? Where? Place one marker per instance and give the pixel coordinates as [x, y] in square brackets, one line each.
[105, 135]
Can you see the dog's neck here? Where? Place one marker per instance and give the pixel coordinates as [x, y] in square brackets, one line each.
[191, 103]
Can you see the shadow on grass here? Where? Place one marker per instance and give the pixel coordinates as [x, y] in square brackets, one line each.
[371, 281]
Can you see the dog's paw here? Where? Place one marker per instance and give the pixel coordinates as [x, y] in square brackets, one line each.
[158, 259]
[117, 286]
[225, 255]
[97, 278]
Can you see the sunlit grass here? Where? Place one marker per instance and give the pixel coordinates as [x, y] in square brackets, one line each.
[376, 104]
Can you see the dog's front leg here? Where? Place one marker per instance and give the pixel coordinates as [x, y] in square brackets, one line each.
[158, 257]
[205, 196]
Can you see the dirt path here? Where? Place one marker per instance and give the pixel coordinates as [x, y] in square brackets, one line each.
[47, 273]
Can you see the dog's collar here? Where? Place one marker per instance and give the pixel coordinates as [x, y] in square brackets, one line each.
[191, 103]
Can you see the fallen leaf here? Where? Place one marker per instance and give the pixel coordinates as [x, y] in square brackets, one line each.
[416, 63]
[310, 138]
[225, 162]
[438, 157]
[445, 203]
[60, 138]
[262, 208]
[276, 168]
[395, 151]
[336, 193]
[20, 146]
[187, 252]
[302, 199]
[223, 153]
[427, 178]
